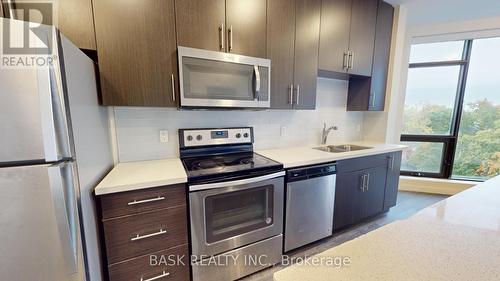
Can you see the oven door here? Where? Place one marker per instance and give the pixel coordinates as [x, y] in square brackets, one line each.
[215, 79]
[229, 215]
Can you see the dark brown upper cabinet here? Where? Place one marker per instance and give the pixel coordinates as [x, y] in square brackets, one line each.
[292, 46]
[368, 93]
[347, 36]
[76, 22]
[234, 26]
[137, 52]
[201, 24]
[74, 19]
[334, 38]
[362, 36]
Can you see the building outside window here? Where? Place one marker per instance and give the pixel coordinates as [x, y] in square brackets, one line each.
[451, 119]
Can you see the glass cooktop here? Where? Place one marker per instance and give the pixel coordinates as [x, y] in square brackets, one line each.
[227, 165]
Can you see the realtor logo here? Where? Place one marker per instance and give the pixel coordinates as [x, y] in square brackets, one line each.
[29, 40]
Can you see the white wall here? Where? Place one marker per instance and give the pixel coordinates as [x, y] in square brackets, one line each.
[137, 129]
[433, 12]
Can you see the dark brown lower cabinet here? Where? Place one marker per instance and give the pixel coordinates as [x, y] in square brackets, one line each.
[136, 45]
[171, 264]
[145, 234]
[365, 187]
[392, 181]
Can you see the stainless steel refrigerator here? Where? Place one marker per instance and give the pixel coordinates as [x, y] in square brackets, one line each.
[54, 149]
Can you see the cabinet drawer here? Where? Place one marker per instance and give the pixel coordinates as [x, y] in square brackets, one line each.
[142, 269]
[145, 200]
[361, 163]
[145, 233]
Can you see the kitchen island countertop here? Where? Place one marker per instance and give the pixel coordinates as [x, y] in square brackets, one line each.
[455, 239]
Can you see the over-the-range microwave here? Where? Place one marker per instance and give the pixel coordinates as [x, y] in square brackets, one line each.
[210, 79]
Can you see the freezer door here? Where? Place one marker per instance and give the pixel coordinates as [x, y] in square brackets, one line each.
[33, 123]
[39, 222]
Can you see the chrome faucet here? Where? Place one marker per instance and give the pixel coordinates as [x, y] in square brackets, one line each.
[324, 135]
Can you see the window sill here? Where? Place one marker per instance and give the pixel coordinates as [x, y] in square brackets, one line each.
[435, 186]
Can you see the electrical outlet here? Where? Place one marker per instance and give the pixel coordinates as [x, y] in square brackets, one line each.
[163, 136]
[283, 131]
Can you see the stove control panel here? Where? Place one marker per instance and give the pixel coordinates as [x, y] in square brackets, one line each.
[207, 137]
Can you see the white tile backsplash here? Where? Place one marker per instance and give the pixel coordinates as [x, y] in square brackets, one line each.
[138, 129]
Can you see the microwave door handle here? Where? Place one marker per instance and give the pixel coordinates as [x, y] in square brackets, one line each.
[257, 82]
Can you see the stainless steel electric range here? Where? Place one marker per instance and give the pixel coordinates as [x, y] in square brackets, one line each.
[235, 201]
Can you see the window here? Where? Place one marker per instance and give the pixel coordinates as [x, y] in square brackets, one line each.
[452, 110]
[477, 155]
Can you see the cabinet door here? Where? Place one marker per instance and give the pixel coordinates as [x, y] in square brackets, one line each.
[392, 181]
[246, 26]
[307, 23]
[373, 195]
[334, 38]
[77, 23]
[381, 56]
[199, 24]
[137, 52]
[362, 36]
[348, 207]
[280, 49]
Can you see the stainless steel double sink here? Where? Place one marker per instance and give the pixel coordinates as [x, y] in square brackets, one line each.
[342, 148]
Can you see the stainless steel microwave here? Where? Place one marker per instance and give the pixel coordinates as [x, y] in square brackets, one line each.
[222, 80]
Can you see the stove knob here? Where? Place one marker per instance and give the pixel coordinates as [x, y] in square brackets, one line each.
[245, 135]
[189, 138]
[238, 135]
[199, 137]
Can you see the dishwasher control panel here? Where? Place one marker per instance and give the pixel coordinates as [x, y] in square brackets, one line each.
[311, 172]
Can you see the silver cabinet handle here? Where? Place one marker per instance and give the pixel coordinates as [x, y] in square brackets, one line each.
[257, 82]
[291, 94]
[373, 98]
[362, 185]
[135, 202]
[221, 35]
[164, 274]
[367, 181]
[345, 62]
[297, 98]
[173, 87]
[230, 34]
[139, 237]
[392, 163]
[351, 59]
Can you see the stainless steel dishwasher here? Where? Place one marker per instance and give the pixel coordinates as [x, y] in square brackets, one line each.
[310, 195]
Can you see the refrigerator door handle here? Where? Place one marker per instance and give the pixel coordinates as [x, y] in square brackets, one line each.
[54, 121]
[63, 195]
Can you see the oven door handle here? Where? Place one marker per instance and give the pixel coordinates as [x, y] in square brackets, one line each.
[234, 183]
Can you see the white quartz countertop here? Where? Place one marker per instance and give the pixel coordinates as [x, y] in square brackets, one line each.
[456, 239]
[301, 156]
[142, 174]
[129, 176]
